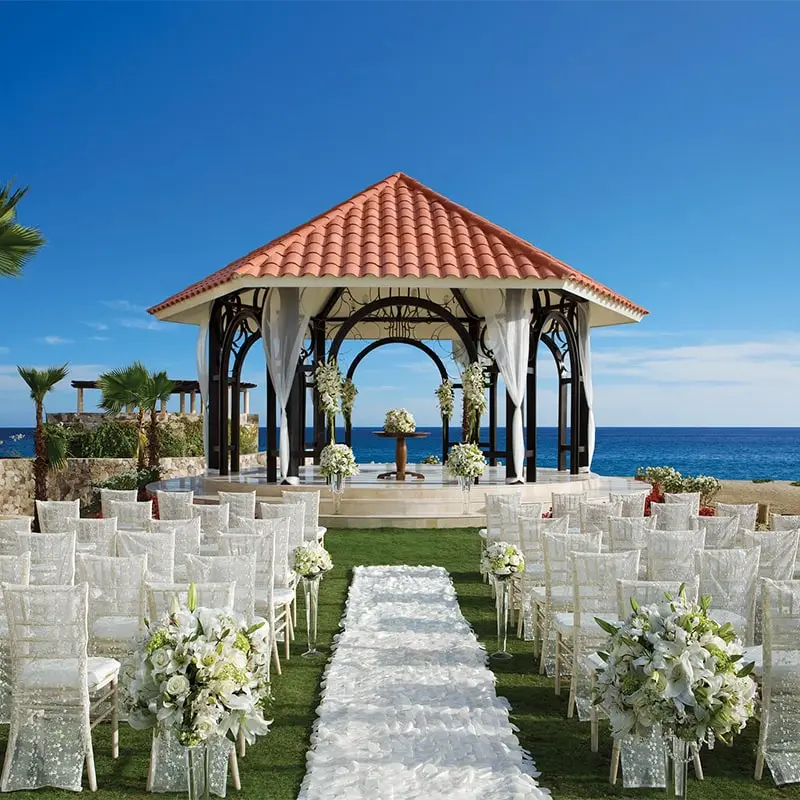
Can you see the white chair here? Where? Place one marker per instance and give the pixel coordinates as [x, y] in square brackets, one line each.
[175, 505]
[53, 680]
[13, 569]
[95, 535]
[159, 549]
[116, 496]
[730, 578]
[240, 504]
[630, 533]
[671, 516]
[747, 513]
[313, 531]
[780, 522]
[53, 514]
[670, 555]
[9, 528]
[52, 557]
[632, 502]
[778, 552]
[493, 501]
[18, 523]
[209, 595]
[131, 516]
[722, 533]
[651, 592]
[285, 540]
[295, 514]
[187, 540]
[692, 499]
[594, 516]
[227, 569]
[564, 503]
[779, 736]
[213, 520]
[116, 602]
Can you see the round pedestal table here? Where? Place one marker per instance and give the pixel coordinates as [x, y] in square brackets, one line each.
[401, 455]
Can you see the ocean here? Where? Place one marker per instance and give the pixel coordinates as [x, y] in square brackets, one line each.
[743, 453]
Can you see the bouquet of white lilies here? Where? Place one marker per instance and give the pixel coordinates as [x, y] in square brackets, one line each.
[465, 461]
[311, 560]
[399, 420]
[671, 664]
[502, 560]
[199, 672]
[337, 459]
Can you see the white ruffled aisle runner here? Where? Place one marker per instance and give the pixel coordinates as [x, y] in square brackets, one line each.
[409, 710]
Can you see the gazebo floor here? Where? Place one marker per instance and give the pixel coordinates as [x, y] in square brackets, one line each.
[434, 502]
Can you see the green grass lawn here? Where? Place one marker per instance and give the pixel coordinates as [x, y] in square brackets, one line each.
[274, 768]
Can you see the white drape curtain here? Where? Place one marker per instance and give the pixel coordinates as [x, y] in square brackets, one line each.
[508, 335]
[585, 355]
[283, 326]
[202, 375]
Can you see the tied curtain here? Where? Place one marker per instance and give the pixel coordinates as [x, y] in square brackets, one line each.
[202, 375]
[585, 355]
[508, 333]
[283, 329]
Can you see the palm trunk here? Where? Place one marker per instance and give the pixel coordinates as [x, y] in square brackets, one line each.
[140, 450]
[40, 459]
[152, 440]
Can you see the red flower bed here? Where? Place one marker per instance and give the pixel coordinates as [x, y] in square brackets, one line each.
[707, 511]
[655, 496]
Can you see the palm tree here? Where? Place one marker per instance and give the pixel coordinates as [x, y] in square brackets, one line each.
[40, 382]
[158, 390]
[127, 388]
[17, 243]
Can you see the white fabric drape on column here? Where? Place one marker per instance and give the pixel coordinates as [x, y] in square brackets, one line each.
[202, 375]
[283, 328]
[508, 335]
[585, 355]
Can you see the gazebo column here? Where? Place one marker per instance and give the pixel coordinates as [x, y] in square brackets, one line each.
[80, 400]
[530, 415]
[235, 423]
[272, 432]
[493, 418]
[509, 438]
[246, 395]
[193, 402]
[318, 423]
[294, 418]
[182, 399]
[563, 444]
[576, 398]
[215, 392]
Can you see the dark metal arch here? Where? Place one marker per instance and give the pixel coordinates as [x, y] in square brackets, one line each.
[398, 340]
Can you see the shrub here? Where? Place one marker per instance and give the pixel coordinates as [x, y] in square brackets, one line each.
[110, 439]
[132, 479]
[431, 459]
[171, 441]
[795, 483]
[248, 439]
[763, 480]
[670, 480]
[655, 475]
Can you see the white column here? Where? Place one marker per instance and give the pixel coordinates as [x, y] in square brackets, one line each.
[246, 401]
[192, 402]
[80, 400]
[183, 402]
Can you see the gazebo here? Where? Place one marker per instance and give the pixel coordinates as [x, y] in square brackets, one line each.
[397, 263]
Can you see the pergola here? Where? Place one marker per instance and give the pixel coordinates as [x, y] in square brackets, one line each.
[397, 263]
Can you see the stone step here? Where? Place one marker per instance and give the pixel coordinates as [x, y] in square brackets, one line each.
[350, 521]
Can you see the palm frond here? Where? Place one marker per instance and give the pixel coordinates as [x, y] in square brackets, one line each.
[9, 200]
[123, 387]
[158, 389]
[57, 442]
[18, 243]
[41, 381]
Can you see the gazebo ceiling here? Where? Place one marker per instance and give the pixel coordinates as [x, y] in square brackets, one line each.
[399, 232]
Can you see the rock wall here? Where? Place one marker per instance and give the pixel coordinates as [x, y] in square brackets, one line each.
[75, 481]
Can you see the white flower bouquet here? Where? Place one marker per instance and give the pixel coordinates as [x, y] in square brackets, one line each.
[311, 560]
[399, 420]
[671, 664]
[328, 378]
[199, 672]
[502, 559]
[474, 390]
[446, 397]
[349, 392]
[337, 459]
[465, 461]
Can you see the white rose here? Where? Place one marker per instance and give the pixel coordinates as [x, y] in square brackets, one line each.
[178, 685]
[204, 726]
[160, 659]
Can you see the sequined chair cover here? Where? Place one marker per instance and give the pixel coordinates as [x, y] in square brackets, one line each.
[631, 533]
[131, 516]
[779, 736]
[52, 557]
[564, 503]
[159, 549]
[722, 533]
[96, 536]
[632, 502]
[9, 528]
[209, 595]
[670, 555]
[780, 522]
[175, 505]
[730, 578]
[594, 516]
[53, 514]
[671, 516]
[747, 513]
[313, 531]
[116, 601]
[226, 569]
[52, 677]
[116, 496]
[295, 513]
[557, 594]
[213, 521]
[13, 569]
[691, 499]
[240, 504]
[187, 540]
[493, 501]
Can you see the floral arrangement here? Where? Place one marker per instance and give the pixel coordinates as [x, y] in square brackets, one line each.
[465, 461]
[328, 379]
[502, 559]
[671, 664]
[399, 420]
[311, 560]
[199, 672]
[431, 459]
[349, 393]
[667, 479]
[474, 396]
[337, 459]
[446, 397]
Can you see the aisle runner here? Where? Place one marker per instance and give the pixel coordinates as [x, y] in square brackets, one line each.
[409, 708]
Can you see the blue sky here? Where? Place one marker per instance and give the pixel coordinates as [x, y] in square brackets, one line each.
[652, 146]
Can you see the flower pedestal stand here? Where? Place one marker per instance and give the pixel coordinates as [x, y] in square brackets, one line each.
[198, 763]
[465, 484]
[399, 472]
[311, 591]
[502, 597]
[676, 754]
[337, 490]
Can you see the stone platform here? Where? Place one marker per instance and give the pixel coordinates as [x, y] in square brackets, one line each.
[434, 502]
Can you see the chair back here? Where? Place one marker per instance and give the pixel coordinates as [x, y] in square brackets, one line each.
[671, 516]
[567, 503]
[240, 504]
[131, 516]
[691, 499]
[777, 553]
[632, 502]
[53, 514]
[649, 593]
[594, 516]
[556, 551]
[186, 532]
[594, 580]
[116, 495]
[311, 521]
[670, 555]
[747, 513]
[295, 514]
[493, 502]
[52, 557]
[630, 533]
[780, 522]
[9, 528]
[175, 505]
[530, 534]
[209, 595]
[159, 549]
[15, 569]
[100, 533]
[722, 533]
[213, 519]
[227, 569]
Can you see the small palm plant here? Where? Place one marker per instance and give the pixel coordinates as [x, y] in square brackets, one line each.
[18, 243]
[40, 382]
[158, 390]
[127, 388]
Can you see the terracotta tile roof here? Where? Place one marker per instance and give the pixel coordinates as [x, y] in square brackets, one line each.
[398, 228]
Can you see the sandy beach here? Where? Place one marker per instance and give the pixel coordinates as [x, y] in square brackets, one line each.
[781, 496]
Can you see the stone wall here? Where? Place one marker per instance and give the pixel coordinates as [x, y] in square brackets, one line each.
[75, 481]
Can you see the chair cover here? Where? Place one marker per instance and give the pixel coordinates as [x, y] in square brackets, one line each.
[53, 514]
[13, 569]
[159, 549]
[691, 499]
[671, 516]
[187, 540]
[311, 521]
[96, 535]
[227, 569]
[632, 503]
[493, 502]
[213, 519]
[9, 528]
[780, 522]
[652, 592]
[116, 495]
[594, 516]
[567, 503]
[131, 516]
[722, 533]
[240, 504]
[209, 595]
[295, 513]
[175, 505]
[670, 555]
[747, 512]
[52, 557]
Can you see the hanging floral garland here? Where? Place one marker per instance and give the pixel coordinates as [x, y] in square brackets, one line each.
[474, 397]
[446, 397]
[329, 385]
[349, 393]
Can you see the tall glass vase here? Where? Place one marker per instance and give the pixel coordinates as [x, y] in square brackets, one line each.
[311, 591]
[465, 484]
[502, 585]
[677, 753]
[198, 763]
[337, 490]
